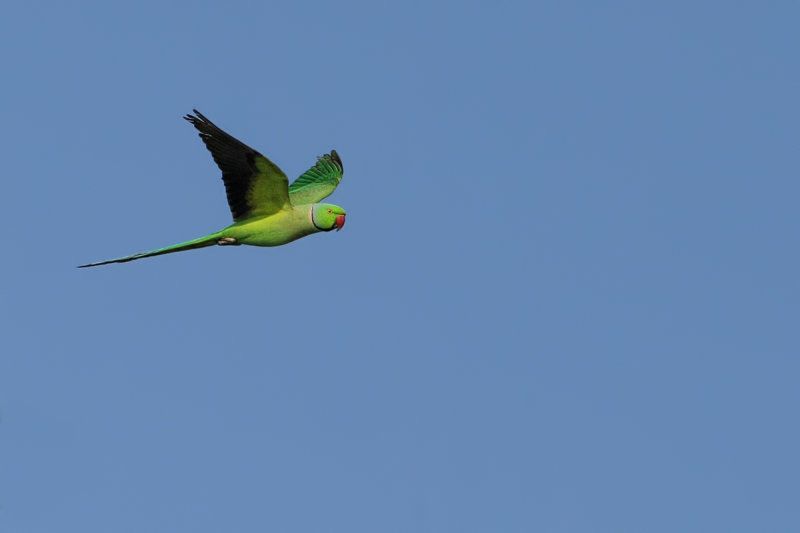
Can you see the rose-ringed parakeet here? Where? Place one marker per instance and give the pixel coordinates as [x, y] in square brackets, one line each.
[267, 211]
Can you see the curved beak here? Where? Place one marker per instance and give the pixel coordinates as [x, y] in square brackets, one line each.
[339, 222]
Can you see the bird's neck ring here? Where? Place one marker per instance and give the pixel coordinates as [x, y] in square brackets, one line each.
[311, 217]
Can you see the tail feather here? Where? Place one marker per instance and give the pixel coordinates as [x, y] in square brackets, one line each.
[202, 242]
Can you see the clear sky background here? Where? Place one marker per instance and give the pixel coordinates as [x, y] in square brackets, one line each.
[565, 300]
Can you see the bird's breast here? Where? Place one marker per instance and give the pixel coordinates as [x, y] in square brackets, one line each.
[274, 230]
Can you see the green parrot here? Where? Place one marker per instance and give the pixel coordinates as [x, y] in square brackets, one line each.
[267, 211]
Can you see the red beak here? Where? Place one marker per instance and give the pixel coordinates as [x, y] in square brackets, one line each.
[339, 222]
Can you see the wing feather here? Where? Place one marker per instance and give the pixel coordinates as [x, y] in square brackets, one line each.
[319, 181]
[255, 186]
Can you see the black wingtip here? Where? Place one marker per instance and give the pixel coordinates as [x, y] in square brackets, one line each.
[336, 159]
[201, 116]
[198, 117]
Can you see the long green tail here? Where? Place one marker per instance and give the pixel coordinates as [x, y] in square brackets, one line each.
[202, 242]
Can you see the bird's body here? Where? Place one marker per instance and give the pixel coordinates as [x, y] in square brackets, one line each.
[267, 211]
[281, 228]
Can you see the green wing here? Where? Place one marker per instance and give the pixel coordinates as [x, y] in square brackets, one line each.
[255, 185]
[319, 181]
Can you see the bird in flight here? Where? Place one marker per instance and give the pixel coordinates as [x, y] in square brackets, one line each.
[266, 210]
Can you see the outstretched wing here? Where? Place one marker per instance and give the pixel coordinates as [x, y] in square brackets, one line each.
[255, 185]
[319, 181]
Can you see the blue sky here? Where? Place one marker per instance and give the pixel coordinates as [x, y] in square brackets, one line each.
[566, 297]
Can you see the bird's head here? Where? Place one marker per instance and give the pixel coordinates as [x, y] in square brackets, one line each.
[326, 217]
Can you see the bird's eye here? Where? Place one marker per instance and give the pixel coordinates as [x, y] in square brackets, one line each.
[330, 211]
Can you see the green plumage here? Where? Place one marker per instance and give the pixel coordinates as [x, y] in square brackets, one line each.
[319, 181]
[266, 210]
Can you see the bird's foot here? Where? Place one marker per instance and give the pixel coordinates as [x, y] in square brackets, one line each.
[227, 241]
